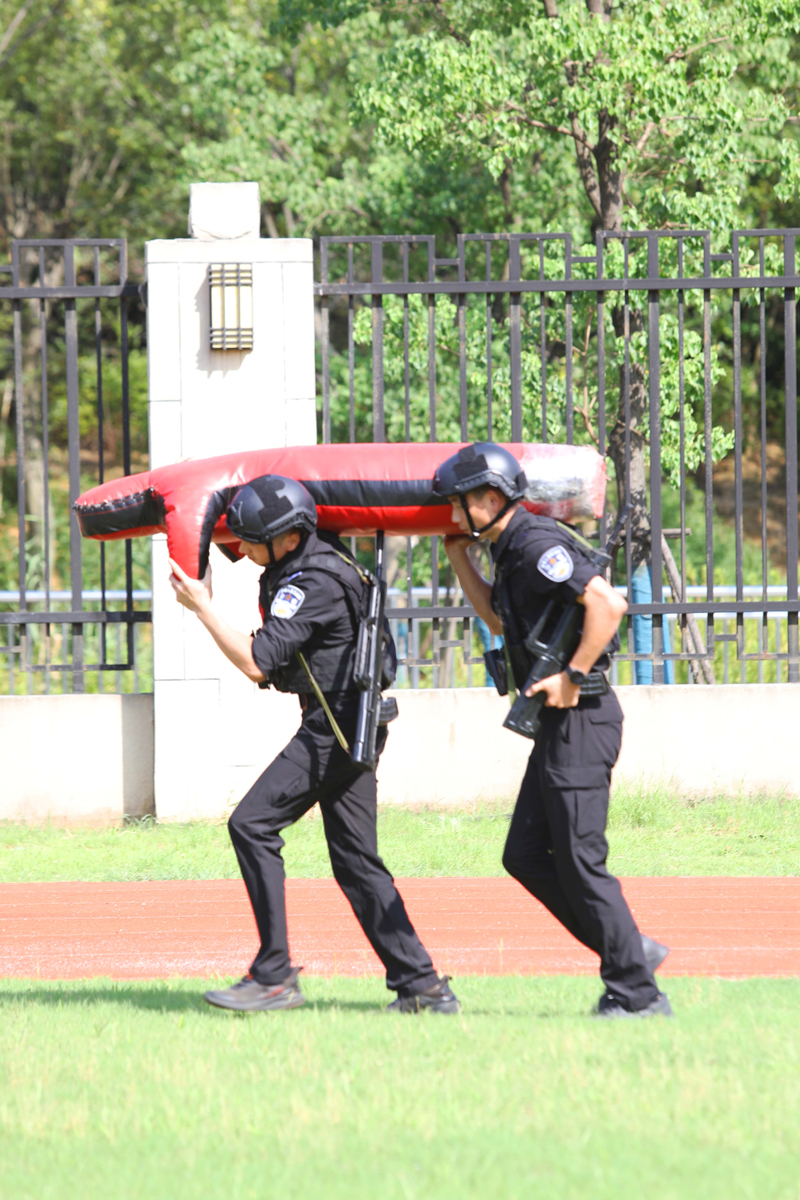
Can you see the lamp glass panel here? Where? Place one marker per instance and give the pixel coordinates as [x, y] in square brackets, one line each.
[216, 306]
[231, 307]
[246, 306]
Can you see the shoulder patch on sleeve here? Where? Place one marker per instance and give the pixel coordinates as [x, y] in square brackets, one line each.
[556, 564]
[287, 601]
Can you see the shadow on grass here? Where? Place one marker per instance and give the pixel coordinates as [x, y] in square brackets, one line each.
[155, 999]
[179, 1000]
[152, 999]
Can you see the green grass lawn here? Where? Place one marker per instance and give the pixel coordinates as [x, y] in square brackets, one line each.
[650, 833]
[136, 1090]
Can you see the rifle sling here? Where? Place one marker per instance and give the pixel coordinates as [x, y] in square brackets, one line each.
[341, 739]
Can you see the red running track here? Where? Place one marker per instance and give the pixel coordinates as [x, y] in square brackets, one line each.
[715, 926]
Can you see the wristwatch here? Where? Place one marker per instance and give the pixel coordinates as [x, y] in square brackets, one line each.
[576, 677]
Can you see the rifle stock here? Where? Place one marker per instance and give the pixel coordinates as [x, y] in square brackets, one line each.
[369, 668]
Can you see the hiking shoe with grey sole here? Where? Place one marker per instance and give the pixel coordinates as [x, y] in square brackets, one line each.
[248, 995]
[654, 953]
[610, 1006]
[438, 999]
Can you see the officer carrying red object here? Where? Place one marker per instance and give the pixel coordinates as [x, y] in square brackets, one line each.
[314, 596]
[556, 845]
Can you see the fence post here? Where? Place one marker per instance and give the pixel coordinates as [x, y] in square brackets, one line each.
[654, 397]
[214, 730]
[790, 399]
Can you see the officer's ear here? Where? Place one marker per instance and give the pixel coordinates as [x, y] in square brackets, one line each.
[491, 497]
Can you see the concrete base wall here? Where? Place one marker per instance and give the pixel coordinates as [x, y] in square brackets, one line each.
[77, 760]
[450, 746]
[89, 759]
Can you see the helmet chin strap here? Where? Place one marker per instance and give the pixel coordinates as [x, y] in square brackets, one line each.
[271, 553]
[477, 533]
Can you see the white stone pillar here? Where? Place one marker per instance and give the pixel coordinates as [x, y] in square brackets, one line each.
[214, 730]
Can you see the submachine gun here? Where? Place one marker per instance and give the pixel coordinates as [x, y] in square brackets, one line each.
[372, 673]
[552, 657]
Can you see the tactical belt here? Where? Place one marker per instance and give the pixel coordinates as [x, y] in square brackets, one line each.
[596, 684]
[387, 709]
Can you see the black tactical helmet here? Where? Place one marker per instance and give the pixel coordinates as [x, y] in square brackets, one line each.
[269, 506]
[483, 464]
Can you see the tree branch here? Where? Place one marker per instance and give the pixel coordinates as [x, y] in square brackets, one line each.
[588, 174]
[648, 129]
[6, 50]
[509, 106]
[269, 221]
[687, 52]
[13, 26]
[447, 24]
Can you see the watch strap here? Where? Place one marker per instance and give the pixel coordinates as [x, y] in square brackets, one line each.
[578, 678]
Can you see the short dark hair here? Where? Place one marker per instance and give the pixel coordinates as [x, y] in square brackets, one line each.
[481, 491]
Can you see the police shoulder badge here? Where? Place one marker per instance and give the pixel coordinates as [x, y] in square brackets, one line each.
[287, 601]
[556, 564]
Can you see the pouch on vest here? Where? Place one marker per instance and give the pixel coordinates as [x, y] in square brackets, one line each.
[497, 669]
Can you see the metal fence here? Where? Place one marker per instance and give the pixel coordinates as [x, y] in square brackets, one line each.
[678, 363]
[64, 377]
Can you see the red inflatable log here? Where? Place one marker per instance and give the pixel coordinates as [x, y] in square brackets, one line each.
[358, 488]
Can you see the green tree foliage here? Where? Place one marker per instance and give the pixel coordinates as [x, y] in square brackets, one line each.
[280, 110]
[669, 109]
[91, 117]
[442, 117]
[665, 111]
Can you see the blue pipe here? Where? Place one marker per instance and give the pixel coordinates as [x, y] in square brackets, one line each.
[488, 642]
[642, 593]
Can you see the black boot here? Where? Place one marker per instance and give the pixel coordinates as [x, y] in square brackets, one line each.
[248, 995]
[437, 998]
[611, 1006]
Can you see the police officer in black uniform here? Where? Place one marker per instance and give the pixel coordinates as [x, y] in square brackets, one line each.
[556, 844]
[312, 594]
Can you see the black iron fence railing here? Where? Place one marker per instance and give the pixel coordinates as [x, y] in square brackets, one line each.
[65, 382]
[678, 363]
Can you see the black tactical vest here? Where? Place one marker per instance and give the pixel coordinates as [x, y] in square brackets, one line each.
[331, 666]
[516, 625]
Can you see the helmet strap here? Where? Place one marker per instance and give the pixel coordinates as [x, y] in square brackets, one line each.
[270, 552]
[477, 533]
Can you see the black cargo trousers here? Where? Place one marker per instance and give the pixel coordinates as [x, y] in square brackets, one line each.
[557, 848]
[313, 768]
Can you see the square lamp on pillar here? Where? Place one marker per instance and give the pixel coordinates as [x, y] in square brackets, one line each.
[231, 286]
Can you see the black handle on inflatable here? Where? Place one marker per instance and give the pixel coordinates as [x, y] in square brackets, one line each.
[217, 505]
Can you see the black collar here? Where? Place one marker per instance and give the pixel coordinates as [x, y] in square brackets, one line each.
[509, 533]
[274, 574]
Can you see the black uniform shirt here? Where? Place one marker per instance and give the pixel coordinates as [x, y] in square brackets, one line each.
[537, 560]
[309, 610]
